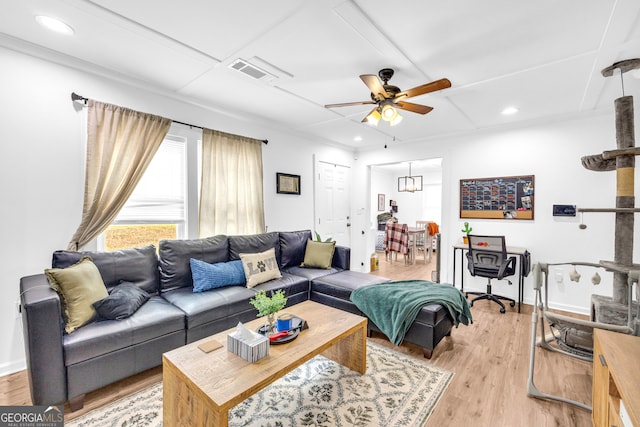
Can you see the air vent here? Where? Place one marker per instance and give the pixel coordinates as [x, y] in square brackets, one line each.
[250, 70]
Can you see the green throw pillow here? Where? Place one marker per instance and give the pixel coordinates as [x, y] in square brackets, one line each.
[318, 254]
[260, 267]
[79, 286]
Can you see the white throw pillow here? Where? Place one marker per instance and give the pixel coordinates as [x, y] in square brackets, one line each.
[260, 267]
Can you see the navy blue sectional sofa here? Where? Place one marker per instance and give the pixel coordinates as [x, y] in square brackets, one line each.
[64, 367]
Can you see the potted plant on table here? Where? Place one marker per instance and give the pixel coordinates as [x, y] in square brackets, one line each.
[269, 306]
[466, 230]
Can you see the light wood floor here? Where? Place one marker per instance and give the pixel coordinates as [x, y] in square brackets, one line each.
[490, 360]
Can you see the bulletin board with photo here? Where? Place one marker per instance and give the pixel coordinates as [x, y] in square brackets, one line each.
[507, 197]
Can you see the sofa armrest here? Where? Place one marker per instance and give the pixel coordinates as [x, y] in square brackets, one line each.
[43, 329]
[342, 258]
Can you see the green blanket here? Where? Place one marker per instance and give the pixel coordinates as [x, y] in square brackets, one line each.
[394, 306]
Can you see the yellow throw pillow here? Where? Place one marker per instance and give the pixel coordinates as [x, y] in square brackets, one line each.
[79, 286]
[260, 267]
[318, 254]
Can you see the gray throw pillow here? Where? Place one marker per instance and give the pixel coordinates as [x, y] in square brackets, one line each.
[123, 300]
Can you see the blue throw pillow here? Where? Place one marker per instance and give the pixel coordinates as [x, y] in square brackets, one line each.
[211, 276]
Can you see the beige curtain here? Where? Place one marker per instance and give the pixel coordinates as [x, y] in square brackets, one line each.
[120, 145]
[231, 199]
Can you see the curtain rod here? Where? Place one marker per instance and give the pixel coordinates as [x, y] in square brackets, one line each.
[76, 97]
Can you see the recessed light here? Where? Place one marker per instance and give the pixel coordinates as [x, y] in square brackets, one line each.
[510, 110]
[357, 138]
[54, 24]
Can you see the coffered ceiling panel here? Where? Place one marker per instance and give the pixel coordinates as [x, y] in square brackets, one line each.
[531, 91]
[217, 28]
[106, 40]
[543, 57]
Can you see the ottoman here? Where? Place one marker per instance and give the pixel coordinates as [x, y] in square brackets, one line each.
[432, 324]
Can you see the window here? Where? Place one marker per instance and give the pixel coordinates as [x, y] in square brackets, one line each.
[160, 206]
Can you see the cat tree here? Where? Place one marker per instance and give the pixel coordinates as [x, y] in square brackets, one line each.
[613, 310]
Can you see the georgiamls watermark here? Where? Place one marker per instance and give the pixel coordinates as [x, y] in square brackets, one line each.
[31, 416]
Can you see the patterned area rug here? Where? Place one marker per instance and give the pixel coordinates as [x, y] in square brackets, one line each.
[397, 390]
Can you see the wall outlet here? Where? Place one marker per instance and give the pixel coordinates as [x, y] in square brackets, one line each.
[559, 276]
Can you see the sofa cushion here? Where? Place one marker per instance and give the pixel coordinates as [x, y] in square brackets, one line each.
[137, 265]
[292, 247]
[206, 307]
[260, 267]
[123, 300]
[154, 319]
[254, 243]
[310, 273]
[79, 286]
[342, 258]
[175, 270]
[341, 284]
[318, 254]
[211, 276]
[291, 284]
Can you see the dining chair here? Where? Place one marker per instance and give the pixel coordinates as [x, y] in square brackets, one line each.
[423, 241]
[396, 240]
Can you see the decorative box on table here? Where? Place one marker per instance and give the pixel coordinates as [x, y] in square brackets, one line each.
[250, 350]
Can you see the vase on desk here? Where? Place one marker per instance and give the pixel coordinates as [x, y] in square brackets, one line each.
[465, 240]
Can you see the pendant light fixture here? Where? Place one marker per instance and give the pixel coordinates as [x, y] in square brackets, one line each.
[410, 183]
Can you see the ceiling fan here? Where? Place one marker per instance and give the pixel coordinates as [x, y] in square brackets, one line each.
[389, 98]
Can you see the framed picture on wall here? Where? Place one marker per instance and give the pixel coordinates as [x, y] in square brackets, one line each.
[287, 183]
[380, 202]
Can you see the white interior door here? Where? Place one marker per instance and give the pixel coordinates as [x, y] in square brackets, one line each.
[332, 202]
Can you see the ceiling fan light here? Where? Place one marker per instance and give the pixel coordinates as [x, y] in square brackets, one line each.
[374, 117]
[396, 120]
[388, 113]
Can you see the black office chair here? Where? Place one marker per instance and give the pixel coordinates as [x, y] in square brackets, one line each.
[487, 257]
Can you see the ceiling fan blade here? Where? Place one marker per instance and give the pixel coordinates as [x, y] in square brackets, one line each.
[375, 86]
[347, 104]
[414, 108]
[425, 88]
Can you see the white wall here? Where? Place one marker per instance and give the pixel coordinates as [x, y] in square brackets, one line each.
[42, 158]
[382, 182]
[552, 153]
[41, 180]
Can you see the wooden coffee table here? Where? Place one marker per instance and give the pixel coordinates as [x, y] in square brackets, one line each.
[200, 388]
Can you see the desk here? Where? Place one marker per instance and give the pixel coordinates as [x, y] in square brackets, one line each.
[511, 250]
[414, 233]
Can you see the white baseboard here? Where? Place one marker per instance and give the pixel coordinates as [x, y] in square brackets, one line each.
[12, 367]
